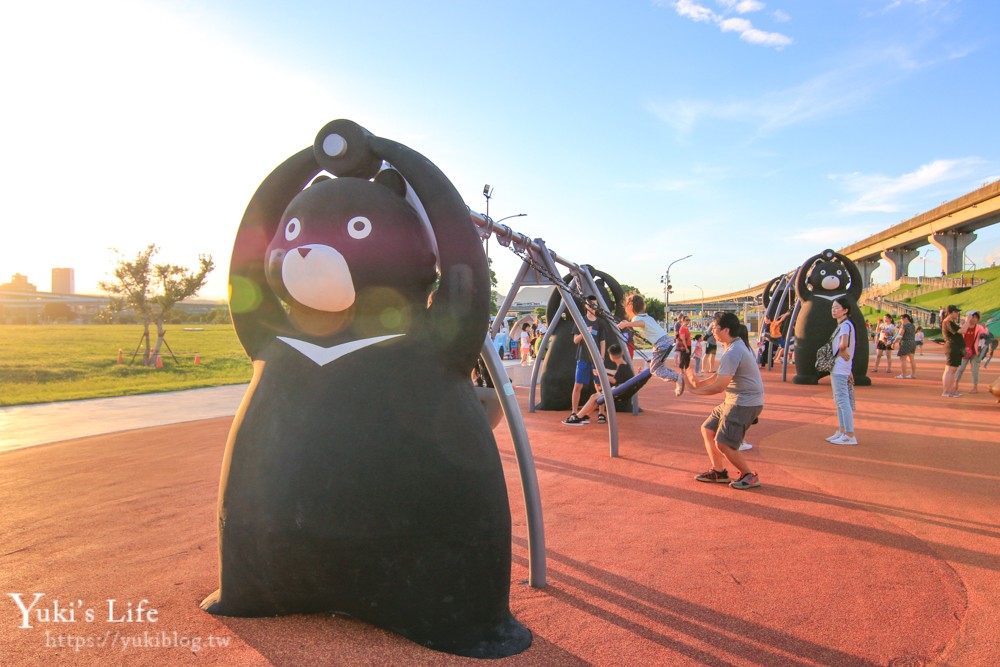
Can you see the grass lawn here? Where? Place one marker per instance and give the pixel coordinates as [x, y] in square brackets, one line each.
[985, 297]
[62, 362]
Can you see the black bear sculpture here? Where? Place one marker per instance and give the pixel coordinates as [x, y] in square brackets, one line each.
[361, 476]
[821, 279]
[556, 376]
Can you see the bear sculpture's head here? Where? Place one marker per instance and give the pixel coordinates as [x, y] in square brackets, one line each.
[828, 277]
[350, 246]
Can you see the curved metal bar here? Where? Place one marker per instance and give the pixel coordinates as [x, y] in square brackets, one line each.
[525, 464]
[788, 340]
[602, 372]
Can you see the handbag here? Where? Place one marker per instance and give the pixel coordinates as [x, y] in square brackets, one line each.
[825, 355]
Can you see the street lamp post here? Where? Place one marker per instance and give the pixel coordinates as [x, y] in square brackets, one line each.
[488, 193]
[666, 290]
[702, 302]
[516, 215]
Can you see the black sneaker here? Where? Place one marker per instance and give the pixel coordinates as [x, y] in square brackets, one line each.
[601, 419]
[713, 475]
[573, 420]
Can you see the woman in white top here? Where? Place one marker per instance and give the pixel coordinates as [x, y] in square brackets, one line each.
[884, 334]
[842, 377]
[525, 343]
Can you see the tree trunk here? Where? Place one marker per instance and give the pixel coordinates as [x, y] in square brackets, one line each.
[160, 333]
[146, 359]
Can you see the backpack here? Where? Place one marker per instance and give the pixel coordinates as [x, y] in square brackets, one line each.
[987, 343]
[826, 355]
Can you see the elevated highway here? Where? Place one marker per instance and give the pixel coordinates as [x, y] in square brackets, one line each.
[950, 228]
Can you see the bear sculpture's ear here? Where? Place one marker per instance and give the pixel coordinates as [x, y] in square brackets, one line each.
[393, 180]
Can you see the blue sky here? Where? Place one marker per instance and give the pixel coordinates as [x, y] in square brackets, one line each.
[749, 134]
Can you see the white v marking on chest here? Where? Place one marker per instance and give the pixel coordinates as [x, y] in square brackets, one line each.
[324, 355]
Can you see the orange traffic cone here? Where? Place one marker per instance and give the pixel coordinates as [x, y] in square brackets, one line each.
[159, 362]
[197, 358]
[121, 356]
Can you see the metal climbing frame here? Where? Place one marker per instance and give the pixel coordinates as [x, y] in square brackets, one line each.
[542, 261]
[782, 295]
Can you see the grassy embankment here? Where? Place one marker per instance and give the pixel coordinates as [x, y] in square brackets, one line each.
[44, 363]
[985, 297]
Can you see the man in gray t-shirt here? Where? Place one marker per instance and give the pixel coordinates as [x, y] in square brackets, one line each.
[745, 386]
[739, 377]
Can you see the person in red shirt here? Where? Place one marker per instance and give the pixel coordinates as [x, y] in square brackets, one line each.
[973, 340]
[684, 343]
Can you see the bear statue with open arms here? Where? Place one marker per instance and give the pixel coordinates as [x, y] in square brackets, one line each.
[361, 476]
[821, 279]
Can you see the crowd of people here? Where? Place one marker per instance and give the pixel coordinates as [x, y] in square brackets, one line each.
[689, 360]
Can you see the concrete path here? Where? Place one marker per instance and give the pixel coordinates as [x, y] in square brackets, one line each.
[29, 425]
[42, 423]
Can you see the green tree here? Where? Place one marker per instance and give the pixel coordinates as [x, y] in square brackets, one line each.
[494, 295]
[655, 308]
[152, 290]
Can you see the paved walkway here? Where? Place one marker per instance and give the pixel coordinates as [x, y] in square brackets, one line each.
[42, 423]
[29, 425]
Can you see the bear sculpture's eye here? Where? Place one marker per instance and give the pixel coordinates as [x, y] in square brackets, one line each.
[822, 272]
[359, 227]
[839, 272]
[292, 229]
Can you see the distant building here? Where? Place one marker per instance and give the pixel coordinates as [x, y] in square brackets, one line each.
[18, 283]
[530, 297]
[63, 281]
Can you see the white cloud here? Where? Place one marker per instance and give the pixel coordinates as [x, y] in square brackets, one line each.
[748, 33]
[832, 93]
[694, 11]
[735, 25]
[742, 6]
[875, 193]
[780, 16]
[775, 39]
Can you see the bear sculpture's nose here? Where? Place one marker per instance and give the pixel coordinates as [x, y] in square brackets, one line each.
[303, 251]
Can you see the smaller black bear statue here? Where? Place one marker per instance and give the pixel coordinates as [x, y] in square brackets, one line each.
[558, 371]
[821, 279]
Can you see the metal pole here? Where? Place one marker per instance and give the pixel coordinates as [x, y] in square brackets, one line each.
[666, 287]
[525, 464]
[487, 192]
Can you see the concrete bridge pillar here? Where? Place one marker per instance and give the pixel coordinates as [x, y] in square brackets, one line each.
[952, 246]
[900, 259]
[867, 268]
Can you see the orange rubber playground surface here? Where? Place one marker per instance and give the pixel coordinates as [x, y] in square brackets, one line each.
[887, 553]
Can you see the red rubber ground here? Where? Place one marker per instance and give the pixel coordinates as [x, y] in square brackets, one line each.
[887, 553]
